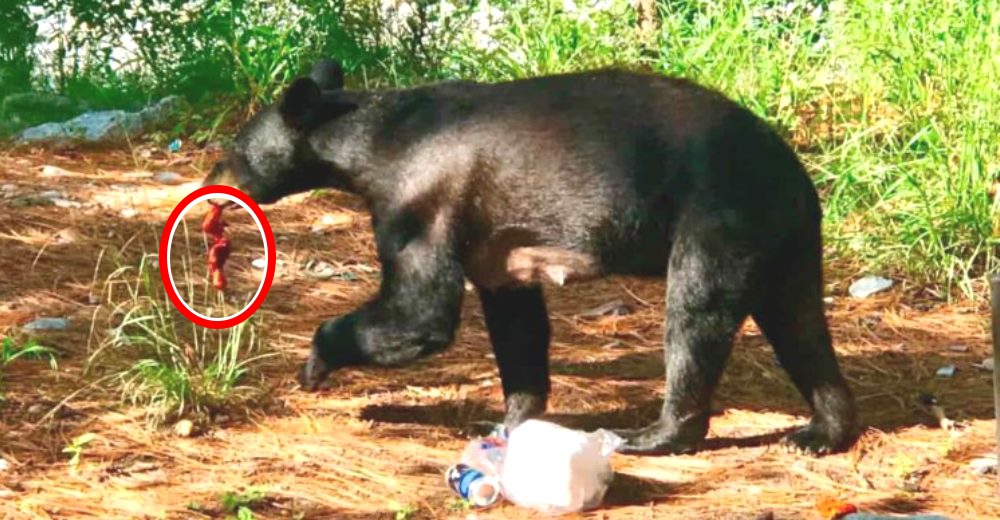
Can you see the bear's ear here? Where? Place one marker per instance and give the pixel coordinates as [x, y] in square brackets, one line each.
[328, 74]
[300, 102]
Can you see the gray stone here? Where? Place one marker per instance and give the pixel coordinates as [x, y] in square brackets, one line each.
[869, 285]
[169, 178]
[612, 308]
[106, 126]
[946, 371]
[65, 203]
[47, 324]
[55, 171]
[320, 270]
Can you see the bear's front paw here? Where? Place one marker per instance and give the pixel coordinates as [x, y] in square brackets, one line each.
[313, 372]
[334, 346]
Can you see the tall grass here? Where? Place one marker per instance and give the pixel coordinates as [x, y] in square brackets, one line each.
[167, 365]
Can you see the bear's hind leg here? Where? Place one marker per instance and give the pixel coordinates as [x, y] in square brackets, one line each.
[790, 315]
[709, 288]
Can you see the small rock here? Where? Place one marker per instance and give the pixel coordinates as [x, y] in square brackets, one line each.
[958, 348]
[946, 371]
[55, 171]
[330, 220]
[868, 286]
[984, 465]
[828, 300]
[36, 409]
[128, 213]
[63, 203]
[52, 194]
[169, 178]
[259, 263]
[320, 270]
[987, 365]
[48, 324]
[612, 308]
[67, 236]
[4, 465]
[184, 428]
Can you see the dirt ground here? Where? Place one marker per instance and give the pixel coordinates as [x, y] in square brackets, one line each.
[375, 444]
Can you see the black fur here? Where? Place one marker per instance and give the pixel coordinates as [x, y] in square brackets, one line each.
[562, 178]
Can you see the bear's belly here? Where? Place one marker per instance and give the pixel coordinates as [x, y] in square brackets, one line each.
[514, 258]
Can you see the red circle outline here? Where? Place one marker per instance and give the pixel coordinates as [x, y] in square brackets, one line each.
[270, 248]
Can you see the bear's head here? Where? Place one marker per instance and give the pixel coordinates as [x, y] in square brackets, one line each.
[275, 153]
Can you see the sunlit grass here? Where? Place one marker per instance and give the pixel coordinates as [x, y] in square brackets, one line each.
[168, 365]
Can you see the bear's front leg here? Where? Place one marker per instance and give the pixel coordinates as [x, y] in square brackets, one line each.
[415, 314]
[518, 324]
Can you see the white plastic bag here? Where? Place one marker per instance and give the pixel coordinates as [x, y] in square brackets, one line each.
[556, 470]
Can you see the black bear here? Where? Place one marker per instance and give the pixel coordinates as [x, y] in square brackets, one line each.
[562, 178]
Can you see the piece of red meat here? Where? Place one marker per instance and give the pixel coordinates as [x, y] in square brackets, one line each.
[218, 251]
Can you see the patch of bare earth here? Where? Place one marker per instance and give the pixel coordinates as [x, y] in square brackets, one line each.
[378, 440]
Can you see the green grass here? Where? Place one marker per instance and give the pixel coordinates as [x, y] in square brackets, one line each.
[76, 447]
[893, 106]
[167, 365]
[241, 504]
[10, 351]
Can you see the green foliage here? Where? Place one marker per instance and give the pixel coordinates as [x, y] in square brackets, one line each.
[459, 505]
[76, 448]
[17, 35]
[402, 511]
[9, 351]
[241, 504]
